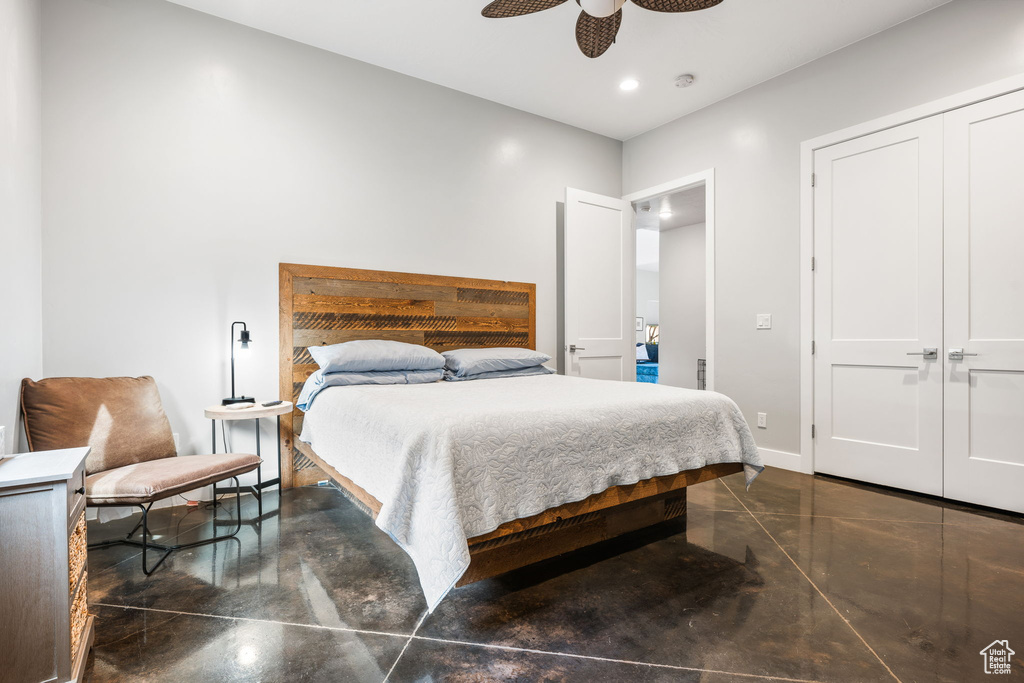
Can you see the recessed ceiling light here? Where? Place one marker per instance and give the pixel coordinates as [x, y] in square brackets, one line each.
[629, 84]
[665, 215]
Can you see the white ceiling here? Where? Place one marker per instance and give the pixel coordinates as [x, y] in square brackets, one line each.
[532, 62]
[688, 207]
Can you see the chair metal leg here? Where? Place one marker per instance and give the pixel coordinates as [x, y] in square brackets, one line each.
[136, 527]
[146, 545]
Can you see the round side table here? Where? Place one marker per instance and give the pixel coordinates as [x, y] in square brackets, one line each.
[255, 412]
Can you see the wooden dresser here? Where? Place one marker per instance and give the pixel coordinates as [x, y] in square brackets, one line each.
[45, 627]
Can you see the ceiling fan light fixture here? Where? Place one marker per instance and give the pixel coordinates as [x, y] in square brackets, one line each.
[601, 8]
[599, 21]
[629, 84]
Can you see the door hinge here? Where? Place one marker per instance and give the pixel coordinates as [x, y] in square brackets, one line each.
[813, 179]
[813, 434]
[813, 263]
[813, 347]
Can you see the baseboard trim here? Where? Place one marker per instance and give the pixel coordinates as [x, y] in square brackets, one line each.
[781, 459]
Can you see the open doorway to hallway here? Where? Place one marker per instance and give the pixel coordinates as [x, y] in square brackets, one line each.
[671, 287]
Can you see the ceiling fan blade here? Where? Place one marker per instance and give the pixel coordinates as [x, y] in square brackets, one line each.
[676, 5]
[594, 35]
[499, 9]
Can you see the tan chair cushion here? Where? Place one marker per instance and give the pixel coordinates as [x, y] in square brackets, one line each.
[121, 418]
[154, 480]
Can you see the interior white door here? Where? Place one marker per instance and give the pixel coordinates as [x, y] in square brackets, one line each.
[878, 298]
[599, 283]
[984, 242]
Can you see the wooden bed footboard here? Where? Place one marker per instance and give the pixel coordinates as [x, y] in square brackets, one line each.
[559, 530]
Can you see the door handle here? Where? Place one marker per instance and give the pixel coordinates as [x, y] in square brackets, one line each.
[573, 348]
[958, 354]
[929, 353]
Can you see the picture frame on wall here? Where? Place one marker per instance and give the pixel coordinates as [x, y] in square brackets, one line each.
[639, 324]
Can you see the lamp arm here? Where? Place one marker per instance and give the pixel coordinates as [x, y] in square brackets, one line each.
[231, 341]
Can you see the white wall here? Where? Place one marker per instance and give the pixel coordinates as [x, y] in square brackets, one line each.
[20, 196]
[186, 156]
[752, 140]
[683, 289]
[647, 303]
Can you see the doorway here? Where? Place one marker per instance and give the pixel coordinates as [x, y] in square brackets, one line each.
[670, 289]
[674, 282]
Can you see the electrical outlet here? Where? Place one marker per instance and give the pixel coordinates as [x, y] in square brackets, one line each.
[3, 440]
[177, 442]
[764, 321]
[762, 420]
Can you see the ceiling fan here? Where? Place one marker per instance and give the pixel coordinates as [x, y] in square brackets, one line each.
[600, 19]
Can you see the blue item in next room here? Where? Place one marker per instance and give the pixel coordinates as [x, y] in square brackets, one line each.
[647, 372]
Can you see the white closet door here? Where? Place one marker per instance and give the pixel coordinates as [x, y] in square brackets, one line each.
[984, 244]
[600, 262]
[878, 298]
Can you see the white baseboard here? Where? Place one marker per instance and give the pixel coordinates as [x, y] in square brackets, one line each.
[781, 459]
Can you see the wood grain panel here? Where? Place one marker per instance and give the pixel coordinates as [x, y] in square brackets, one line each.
[460, 340]
[357, 492]
[462, 308]
[492, 324]
[374, 290]
[362, 305]
[286, 332]
[493, 296]
[307, 338]
[361, 321]
[302, 373]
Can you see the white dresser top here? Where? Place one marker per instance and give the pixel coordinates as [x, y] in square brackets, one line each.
[40, 467]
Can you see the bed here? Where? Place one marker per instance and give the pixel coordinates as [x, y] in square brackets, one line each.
[348, 427]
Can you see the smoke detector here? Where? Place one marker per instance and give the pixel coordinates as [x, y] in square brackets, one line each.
[684, 81]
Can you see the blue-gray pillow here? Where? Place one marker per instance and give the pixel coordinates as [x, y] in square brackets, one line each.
[375, 355]
[320, 380]
[466, 362]
[500, 374]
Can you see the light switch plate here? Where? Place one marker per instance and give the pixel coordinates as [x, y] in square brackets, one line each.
[3, 440]
[762, 420]
[764, 321]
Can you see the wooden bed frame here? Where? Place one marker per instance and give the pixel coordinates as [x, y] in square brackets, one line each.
[325, 305]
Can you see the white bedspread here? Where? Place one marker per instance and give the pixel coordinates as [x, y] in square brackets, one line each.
[453, 460]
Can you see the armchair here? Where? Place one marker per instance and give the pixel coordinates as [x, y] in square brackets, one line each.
[133, 460]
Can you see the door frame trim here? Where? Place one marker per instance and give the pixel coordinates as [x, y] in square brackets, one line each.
[807, 150]
[707, 177]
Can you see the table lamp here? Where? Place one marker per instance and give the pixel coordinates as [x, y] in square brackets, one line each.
[244, 339]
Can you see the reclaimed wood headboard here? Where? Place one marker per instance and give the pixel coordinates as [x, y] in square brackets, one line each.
[324, 305]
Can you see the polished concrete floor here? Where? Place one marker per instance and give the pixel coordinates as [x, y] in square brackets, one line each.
[801, 578]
